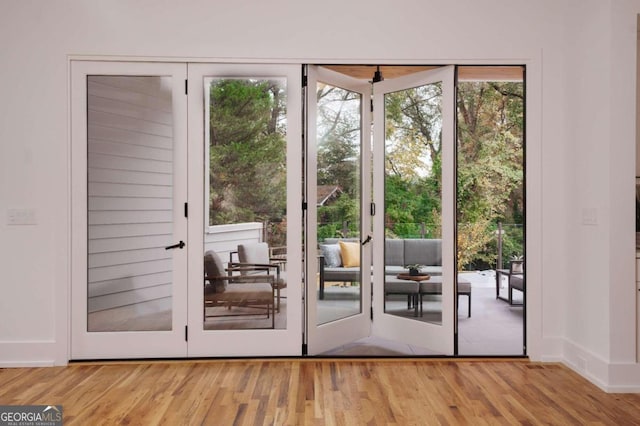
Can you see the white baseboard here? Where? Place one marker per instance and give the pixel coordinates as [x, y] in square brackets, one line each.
[624, 378]
[552, 350]
[29, 354]
[612, 378]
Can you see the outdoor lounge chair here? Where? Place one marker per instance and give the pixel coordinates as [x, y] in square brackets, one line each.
[255, 258]
[224, 289]
[516, 282]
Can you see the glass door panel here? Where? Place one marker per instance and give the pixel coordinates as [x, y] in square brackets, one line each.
[413, 203]
[414, 236]
[130, 233]
[338, 146]
[245, 146]
[245, 265]
[338, 175]
[491, 207]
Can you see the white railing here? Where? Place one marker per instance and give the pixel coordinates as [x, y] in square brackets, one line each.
[224, 239]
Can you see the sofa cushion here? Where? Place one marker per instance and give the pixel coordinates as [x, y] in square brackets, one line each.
[395, 270]
[350, 253]
[247, 293]
[394, 252]
[427, 252]
[333, 240]
[331, 253]
[342, 274]
[517, 282]
[400, 287]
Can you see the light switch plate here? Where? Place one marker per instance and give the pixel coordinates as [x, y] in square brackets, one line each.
[21, 217]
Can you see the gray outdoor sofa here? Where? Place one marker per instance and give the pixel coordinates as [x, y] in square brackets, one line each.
[398, 253]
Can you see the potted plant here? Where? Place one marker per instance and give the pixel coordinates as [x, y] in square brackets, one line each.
[516, 264]
[414, 269]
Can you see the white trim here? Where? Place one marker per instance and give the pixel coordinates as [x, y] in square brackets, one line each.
[233, 227]
[533, 189]
[306, 60]
[27, 354]
[599, 371]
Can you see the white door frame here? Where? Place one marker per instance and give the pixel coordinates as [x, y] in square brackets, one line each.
[538, 348]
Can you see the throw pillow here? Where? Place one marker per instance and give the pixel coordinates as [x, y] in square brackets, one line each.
[350, 253]
[331, 253]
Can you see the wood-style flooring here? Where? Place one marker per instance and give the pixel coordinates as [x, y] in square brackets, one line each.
[319, 392]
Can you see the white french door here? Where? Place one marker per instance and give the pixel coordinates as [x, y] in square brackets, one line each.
[245, 170]
[129, 186]
[170, 161]
[430, 94]
[338, 168]
[414, 314]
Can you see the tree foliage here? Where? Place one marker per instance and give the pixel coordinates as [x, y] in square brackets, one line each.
[247, 151]
[490, 168]
[338, 155]
[248, 170]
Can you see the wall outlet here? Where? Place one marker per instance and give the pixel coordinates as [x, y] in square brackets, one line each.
[21, 217]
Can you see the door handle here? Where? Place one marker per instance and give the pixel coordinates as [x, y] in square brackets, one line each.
[366, 240]
[180, 245]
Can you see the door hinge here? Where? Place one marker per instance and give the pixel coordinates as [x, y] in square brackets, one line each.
[371, 312]
[186, 333]
[372, 208]
[186, 209]
[305, 351]
[371, 105]
[186, 87]
[305, 81]
[304, 205]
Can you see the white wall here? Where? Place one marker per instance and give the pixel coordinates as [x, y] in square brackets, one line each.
[582, 64]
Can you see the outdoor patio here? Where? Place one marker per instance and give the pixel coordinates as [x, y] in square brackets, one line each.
[495, 328]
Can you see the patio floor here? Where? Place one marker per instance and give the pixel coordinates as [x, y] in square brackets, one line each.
[494, 329]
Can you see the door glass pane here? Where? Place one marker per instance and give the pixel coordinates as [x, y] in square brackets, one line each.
[130, 203]
[338, 204]
[413, 201]
[491, 214]
[245, 256]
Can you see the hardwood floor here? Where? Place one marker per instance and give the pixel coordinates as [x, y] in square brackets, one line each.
[319, 392]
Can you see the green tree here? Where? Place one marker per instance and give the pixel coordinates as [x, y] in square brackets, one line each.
[338, 138]
[413, 134]
[247, 151]
[338, 155]
[490, 167]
